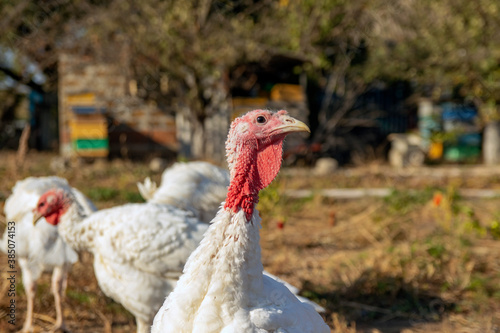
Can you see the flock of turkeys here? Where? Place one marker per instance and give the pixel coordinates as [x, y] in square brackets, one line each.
[186, 260]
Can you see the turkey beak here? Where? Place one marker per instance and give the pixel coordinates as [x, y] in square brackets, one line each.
[36, 216]
[290, 125]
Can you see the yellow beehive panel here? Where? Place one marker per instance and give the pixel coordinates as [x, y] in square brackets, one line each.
[435, 150]
[242, 105]
[287, 92]
[88, 130]
[250, 101]
[81, 99]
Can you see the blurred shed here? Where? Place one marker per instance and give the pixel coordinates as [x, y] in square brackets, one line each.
[98, 115]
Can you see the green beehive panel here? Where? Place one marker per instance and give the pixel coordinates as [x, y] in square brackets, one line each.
[83, 144]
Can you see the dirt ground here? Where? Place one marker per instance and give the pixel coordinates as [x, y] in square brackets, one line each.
[421, 261]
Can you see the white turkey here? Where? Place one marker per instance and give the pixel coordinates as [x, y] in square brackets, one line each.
[199, 187]
[196, 186]
[139, 249]
[223, 288]
[40, 248]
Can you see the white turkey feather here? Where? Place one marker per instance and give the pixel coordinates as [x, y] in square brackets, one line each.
[150, 237]
[40, 244]
[294, 290]
[209, 296]
[139, 251]
[199, 187]
[196, 186]
[40, 248]
[223, 288]
[147, 189]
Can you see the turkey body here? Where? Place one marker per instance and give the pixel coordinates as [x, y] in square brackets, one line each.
[195, 186]
[139, 251]
[40, 248]
[199, 187]
[223, 287]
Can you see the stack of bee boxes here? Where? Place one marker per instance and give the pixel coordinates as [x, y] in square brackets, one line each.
[88, 126]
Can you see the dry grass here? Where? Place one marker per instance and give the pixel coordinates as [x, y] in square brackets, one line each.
[403, 263]
[400, 264]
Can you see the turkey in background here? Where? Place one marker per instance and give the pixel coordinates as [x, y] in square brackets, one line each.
[40, 248]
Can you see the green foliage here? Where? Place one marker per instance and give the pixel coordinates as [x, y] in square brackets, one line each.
[111, 194]
[312, 295]
[495, 229]
[445, 261]
[484, 285]
[269, 198]
[117, 308]
[458, 45]
[132, 196]
[274, 204]
[180, 50]
[402, 202]
[436, 250]
[81, 297]
[102, 193]
[458, 41]
[20, 288]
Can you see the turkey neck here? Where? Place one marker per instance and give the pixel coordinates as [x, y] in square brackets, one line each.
[231, 247]
[73, 228]
[224, 274]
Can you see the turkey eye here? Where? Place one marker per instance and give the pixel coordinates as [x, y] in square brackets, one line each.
[261, 119]
[41, 204]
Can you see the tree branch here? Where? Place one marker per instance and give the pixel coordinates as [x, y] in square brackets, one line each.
[33, 85]
[15, 13]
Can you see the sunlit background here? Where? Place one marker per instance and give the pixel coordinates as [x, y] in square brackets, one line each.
[387, 214]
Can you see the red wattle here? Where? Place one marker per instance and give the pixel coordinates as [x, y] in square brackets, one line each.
[253, 171]
[53, 218]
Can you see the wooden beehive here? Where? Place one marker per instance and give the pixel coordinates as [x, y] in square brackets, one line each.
[88, 127]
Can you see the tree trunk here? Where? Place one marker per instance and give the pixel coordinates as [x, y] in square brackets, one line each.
[23, 145]
[184, 122]
[198, 139]
[203, 138]
[491, 143]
